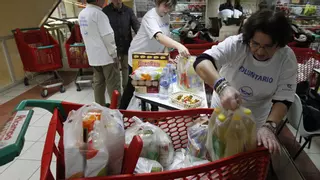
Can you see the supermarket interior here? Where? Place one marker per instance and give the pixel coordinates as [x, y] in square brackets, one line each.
[46, 77]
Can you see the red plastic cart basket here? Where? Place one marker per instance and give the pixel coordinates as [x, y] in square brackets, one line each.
[248, 165]
[77, 56]
[75, 50]
[306, 66]
[39, 52]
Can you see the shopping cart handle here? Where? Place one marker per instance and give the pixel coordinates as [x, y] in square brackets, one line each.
[49, 105]
[45, 47]
[26, 29]
[77, 45]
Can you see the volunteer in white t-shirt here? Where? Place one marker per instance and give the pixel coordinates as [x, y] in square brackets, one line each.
[100, 46]
[257, 70]
[153, 36]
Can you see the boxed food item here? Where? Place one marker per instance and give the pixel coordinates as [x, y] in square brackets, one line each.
[188, 79]
[93, 142]
[147, 68]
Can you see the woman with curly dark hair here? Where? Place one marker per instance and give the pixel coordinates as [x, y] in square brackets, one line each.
[255, 69]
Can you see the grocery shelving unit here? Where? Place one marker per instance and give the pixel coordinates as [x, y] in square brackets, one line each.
[296, 13]
[179, 17]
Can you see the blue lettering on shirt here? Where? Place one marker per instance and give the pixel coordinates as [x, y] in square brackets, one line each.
[164, 25]
[255, 76]
[83, 22]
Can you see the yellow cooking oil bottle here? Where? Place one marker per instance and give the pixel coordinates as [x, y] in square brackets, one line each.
[235, 136]
[251, 128]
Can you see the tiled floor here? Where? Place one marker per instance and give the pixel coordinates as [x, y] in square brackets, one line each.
[28, 163]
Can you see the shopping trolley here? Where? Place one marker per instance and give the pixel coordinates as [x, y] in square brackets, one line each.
[39, 53]
[77, 56]
[306, 64]
[247, 165]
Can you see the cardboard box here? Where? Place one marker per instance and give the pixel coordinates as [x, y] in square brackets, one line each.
[144, 87]
[149, 59]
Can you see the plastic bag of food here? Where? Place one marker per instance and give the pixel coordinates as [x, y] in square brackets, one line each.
[147, 73]
[197, 137]
[93, 142]
[145, 165]
[157, 145]
[182, 159]
[230, 133]
[188, 79]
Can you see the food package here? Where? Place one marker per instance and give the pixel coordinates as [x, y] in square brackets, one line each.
[145, 165]
[93, 142]
[230, 133]
[183, 160]
[186, 100]
[147, 68]
[147, 73]
[188, 79]
[197, 137]
[157, 145]
[159, 60]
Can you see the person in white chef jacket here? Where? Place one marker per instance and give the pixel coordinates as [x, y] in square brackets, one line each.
[153, 36]
[101, 49]
[255, 69]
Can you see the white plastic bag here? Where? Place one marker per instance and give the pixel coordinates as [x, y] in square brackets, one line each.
[157, 145]
[197, 137]
[145, 165]
[183, 160]
[105, 143]
[134, 104]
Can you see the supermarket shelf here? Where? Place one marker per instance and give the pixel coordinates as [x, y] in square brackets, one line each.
[303, 16]
[307, 26]
[192, 3]
[181, 12]
[183, 22]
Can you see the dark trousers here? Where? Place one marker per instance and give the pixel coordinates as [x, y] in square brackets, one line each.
[128, 93]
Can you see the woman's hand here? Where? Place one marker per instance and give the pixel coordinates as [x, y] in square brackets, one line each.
[230, 98]
[183, 51]
[266, 137]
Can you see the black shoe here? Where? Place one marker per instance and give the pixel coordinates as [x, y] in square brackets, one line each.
[108, 105]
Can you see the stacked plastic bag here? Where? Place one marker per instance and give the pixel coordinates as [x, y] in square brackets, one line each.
[94, 140]
[157, 145]
[230, 133]
[147, 73]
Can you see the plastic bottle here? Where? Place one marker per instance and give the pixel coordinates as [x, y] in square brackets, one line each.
[218, 140]
[164, 84]
[251, 128]
[170, 74]
[236, 136]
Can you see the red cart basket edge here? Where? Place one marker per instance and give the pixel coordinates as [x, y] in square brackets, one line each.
[248, 165]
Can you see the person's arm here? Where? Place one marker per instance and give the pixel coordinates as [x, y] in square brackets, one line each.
[282, 99]
[107, 34]
[168, 42]
[154, 31]
[135, 24]
[205, 66]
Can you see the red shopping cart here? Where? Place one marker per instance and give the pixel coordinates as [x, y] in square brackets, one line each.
[307, 59]
[77, 56]
[248, 165]
[40, 53]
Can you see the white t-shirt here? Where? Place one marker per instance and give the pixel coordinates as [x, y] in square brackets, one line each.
[144, 41]
[94, 24]
[258, 82]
